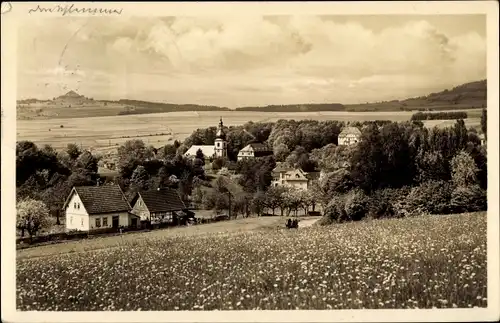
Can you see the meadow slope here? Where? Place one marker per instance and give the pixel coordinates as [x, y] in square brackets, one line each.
[421, 262]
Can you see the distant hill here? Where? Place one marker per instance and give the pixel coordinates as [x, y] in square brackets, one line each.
[466, 96]
[140, 107]
[73, 105]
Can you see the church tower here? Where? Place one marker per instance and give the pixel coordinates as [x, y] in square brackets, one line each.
[220, 141]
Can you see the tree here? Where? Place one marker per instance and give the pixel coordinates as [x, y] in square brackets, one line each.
[366, 162]
[484, 123]
[257, 204]
[464, 169]
[130, 155]
[281, 152]
[73, 151]
[200, 156]
[140, 178]
[87, 161]
[32, 216]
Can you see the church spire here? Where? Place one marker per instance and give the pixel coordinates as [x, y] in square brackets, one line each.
[220, 131]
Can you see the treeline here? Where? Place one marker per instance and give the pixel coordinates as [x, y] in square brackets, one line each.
[312, 107]
[158, 107]
[420, 116]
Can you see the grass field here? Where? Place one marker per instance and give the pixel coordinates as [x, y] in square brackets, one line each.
[104, 133]
[422, 262]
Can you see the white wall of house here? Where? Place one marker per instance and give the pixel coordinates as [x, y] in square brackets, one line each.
[246, 152]
[298, 184]
[76, 216]
[124, 220]
[348, 139]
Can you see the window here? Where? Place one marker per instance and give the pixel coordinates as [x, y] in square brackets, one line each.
[78, 206]
[74, 205]
[218, 144]
[98, 223]
[104, 222]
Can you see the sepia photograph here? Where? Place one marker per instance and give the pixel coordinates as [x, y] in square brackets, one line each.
[244, 159]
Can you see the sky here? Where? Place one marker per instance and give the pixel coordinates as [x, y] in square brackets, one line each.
[250, 60]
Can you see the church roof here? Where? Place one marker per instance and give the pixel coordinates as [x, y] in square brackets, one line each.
[208, 151]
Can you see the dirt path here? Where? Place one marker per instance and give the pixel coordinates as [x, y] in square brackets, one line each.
[307, 223]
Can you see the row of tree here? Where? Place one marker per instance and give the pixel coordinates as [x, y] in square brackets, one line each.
[420, 116]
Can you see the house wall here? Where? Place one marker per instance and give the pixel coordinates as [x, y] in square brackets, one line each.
[348, 139]
[76, 215]
[124, 220]
[161, 217]
[298, 184]
[140, 209]
[245, 153]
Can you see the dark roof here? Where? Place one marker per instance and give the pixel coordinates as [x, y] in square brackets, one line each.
[164, 200]
[101, 199]
[259, 147]
[281, 167]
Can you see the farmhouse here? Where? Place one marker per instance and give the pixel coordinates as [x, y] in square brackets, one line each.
[218, 149]
[286, 176]
[349, 136]
[254, 150]
[158, 206]
[96, 207]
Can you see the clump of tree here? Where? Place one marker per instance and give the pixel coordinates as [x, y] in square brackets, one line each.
[420, 116]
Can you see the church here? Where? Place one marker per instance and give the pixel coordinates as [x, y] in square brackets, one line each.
[218, 149]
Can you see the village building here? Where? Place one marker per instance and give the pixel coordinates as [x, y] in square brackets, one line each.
[482, 137]
[292, 177]
[158, 206]
[349, 136]
[218, 149]
[254, 150]
[98, 207]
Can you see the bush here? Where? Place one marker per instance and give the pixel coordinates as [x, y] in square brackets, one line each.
[468, 199]
[382, 203]
[352, 206]
[431, 197]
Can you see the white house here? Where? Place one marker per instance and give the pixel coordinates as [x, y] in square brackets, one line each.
[254, 150]
[284, 176]
[97, 207]
[349, 136]
[218, 149]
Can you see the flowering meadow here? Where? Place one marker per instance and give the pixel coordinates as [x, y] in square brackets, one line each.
[421, 262]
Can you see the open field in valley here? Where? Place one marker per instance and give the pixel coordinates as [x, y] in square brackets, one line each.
[108, 132]
[421, 262]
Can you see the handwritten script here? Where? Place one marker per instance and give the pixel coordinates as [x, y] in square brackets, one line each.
[70, 9]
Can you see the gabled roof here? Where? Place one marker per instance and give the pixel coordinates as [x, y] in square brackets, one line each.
[281, 168]
[350, 131]
[257, 147]
[164, 200]
[296, 175]
[208, 151]
[100, 199]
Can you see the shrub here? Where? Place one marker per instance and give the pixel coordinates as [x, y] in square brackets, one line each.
[382, 203]
[468, 199]
[352, 206]
[356, 205]
[432, 197]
